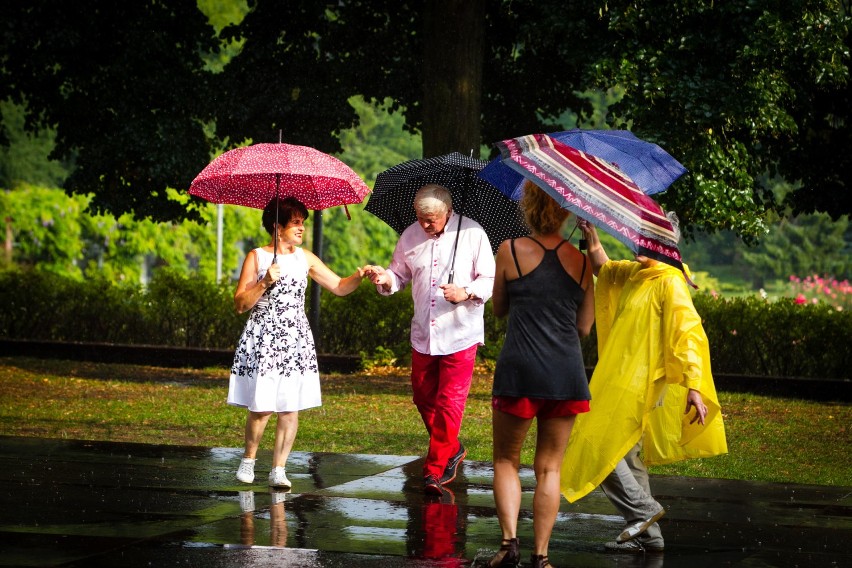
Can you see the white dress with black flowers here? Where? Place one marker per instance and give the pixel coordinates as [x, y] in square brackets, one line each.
[275, 364]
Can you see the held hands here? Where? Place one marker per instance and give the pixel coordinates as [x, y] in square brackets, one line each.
[377, 275]
[694, 399]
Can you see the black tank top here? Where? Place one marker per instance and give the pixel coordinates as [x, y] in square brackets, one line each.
[541, 356]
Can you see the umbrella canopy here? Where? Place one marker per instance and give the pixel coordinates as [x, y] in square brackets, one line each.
[253, 175]
[392, 199]
[596, 191]
[647, 164]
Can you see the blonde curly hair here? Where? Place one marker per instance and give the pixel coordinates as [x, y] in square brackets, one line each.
[541, 213]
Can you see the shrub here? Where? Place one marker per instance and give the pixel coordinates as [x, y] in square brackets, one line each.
[364, 321]
[748, 335]
[752, 336]
[192, 312]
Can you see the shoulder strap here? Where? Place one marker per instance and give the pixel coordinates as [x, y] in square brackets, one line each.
[515, 258]
[583, 273]
[538, 243]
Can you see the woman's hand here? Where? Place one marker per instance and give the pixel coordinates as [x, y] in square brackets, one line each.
[596, 252]
[378, 276]
[272, 275]
[694, 400]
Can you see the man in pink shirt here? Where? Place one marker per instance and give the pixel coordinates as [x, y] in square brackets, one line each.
[448, 324]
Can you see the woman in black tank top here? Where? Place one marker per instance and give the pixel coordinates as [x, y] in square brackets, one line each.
[543, 285]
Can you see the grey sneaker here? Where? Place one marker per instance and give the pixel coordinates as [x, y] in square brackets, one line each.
[632, 547]
[245, 472]
[278, 478]
[639, 527]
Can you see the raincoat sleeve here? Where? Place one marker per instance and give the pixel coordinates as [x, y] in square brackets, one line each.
[610, 283]
[670, 437]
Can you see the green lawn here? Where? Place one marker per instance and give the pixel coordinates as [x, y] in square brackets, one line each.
[769, 439]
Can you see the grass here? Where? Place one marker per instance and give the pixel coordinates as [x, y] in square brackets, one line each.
[769, 439]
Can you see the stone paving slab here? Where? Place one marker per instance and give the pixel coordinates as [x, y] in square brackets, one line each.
[97, 504]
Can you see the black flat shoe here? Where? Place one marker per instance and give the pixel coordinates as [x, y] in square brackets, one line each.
[539, 561]
[509, 555]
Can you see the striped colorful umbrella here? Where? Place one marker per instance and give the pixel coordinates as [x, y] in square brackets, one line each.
[647, 164]
[596, 191]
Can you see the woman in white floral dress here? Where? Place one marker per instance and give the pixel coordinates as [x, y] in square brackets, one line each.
[275, 364]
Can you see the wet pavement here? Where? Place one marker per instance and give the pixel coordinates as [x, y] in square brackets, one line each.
[94, 504]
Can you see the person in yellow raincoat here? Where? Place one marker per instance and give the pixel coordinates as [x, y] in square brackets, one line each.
[653, 370]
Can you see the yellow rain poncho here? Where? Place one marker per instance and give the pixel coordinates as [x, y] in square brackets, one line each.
[651, 350]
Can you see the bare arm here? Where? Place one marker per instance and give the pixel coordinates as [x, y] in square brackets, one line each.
[249, 290]
[586, 313]
[596, 252]
[325, 277]
[499, 297]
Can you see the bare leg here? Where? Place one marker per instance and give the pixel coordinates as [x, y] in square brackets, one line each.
[552, 439]
[285, 435]
[255, 425]
[509, 432]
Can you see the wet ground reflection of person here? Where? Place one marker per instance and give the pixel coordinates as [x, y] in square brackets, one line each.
[435, 527]
[277, 519]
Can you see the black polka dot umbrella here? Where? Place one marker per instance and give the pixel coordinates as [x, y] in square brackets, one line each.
[392, 199]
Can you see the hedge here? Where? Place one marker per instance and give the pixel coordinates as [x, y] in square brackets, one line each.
[748, 336]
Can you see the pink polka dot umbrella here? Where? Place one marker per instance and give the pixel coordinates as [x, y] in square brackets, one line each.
[253, 175]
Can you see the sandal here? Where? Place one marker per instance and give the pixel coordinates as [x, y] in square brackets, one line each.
[539, 561]
[509, 554]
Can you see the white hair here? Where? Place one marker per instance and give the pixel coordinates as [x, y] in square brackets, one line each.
[433, 198]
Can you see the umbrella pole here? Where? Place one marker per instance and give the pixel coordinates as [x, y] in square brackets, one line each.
[277, 207]
[458, 230]
[455, 246]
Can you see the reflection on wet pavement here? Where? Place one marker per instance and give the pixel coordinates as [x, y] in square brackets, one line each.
[75, 503]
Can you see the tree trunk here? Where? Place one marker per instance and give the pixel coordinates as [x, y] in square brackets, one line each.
[452, 78]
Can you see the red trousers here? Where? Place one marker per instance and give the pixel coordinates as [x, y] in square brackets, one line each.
[440, 384]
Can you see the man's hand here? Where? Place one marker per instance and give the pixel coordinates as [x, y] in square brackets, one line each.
[453, 294]
[378, 276]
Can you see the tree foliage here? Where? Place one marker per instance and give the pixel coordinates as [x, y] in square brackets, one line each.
[25, 159]
[141, 93]
[125, 87]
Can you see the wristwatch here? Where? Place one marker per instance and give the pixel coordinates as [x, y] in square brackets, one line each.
[469, 295]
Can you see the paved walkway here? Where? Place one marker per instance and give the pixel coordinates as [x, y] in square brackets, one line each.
[94, 504]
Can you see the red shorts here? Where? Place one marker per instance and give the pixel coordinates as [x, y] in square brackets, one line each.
[527, 408]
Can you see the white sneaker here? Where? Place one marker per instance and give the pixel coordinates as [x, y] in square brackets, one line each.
[245, 472]
[246, 501]
[278, 478]
[278, 496]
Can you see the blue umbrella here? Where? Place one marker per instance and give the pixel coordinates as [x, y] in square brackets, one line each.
[647, 164]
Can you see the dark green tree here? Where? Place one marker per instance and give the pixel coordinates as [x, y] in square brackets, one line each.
[735, 90]
[125, 87]
[25, 159]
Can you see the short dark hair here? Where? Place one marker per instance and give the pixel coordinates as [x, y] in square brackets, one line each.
[287, 206]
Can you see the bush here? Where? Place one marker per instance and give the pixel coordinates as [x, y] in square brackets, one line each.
[752, 336]
[192, 312]
[748, 335]
[364, 321]
[173, 310]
